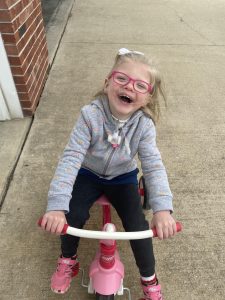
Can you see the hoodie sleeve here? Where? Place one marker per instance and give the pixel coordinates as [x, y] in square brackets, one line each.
[61, 186]
[158, 190]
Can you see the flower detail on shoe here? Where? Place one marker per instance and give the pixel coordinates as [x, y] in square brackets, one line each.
[152, 292]
[67, 268]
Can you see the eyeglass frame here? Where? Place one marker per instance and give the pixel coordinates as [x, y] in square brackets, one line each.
[150, 87]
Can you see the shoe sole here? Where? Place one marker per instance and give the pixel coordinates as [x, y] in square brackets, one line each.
[60, 292]
[63, 292]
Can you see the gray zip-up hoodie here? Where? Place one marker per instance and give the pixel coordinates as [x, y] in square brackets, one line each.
[89, 148]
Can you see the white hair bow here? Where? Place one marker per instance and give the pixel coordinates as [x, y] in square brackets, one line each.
[124, 51]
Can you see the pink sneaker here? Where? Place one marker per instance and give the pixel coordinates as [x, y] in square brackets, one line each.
[66, 269]
[152, 292]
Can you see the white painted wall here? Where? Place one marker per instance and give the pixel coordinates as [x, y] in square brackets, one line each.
[10, 107]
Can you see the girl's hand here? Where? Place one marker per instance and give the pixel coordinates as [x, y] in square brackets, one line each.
[53, 221]
[164, 223]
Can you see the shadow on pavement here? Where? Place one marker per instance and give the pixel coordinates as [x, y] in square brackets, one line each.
[48, 9]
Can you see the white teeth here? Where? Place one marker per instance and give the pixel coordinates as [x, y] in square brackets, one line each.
[125, 98]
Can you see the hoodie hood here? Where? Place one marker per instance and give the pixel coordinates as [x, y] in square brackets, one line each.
[103, 104]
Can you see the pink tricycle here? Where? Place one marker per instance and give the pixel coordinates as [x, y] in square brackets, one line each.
[106, 272]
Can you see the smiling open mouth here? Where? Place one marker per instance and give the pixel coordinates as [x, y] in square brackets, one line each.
[125, 99]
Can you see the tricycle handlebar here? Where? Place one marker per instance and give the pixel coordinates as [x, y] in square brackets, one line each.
[106, 235]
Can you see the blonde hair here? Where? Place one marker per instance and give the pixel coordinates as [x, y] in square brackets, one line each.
[152, 109]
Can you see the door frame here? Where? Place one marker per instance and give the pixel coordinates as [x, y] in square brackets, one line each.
[10, 107]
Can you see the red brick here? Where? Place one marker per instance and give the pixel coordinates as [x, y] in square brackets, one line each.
[27, 16]
[10, 37]
[20, 16]
[21, 88]
[6, 28]
[27, 66]
[29, 62]
[16, 6]
[9, 3]
[28, 78]
[6, 3]
[37, 92]
[11, 50]
[44, 53]
[27, 87]
[33, 42]
[26, 103]
[27, 112]
[29, 50]
[42, 74]
[38, 69]
[38, 55]
[14, 60]
[24, 97]
[21, 24]
[5, 16]
[29, 32]
[17, 70]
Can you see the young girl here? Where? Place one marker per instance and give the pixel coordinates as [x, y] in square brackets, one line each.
[99, 159]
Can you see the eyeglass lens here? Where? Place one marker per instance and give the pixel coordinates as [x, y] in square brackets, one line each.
[123, 79]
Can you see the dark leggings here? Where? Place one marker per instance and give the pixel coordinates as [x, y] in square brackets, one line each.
[126, 201]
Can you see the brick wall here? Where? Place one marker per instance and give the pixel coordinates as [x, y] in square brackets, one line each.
[23, 33]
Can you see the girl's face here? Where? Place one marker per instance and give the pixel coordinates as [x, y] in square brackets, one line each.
[124, 100]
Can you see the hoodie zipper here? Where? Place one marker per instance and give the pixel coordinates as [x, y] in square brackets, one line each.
[110, 157]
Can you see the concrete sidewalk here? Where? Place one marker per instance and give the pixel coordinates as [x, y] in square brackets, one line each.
[13, 133]
[188, 40]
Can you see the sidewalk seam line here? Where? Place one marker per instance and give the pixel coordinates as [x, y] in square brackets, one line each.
[11, 174]
[142, 44]
[62, 34]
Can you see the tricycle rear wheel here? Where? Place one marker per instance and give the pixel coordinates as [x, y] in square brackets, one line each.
[104, 297]
[143, 193]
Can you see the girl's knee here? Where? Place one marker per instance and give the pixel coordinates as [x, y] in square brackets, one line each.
[136, 225]
[77, 218]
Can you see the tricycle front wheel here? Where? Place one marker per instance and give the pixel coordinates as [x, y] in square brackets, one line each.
[104, 297]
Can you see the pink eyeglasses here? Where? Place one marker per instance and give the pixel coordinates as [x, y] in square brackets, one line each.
[140, 86]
